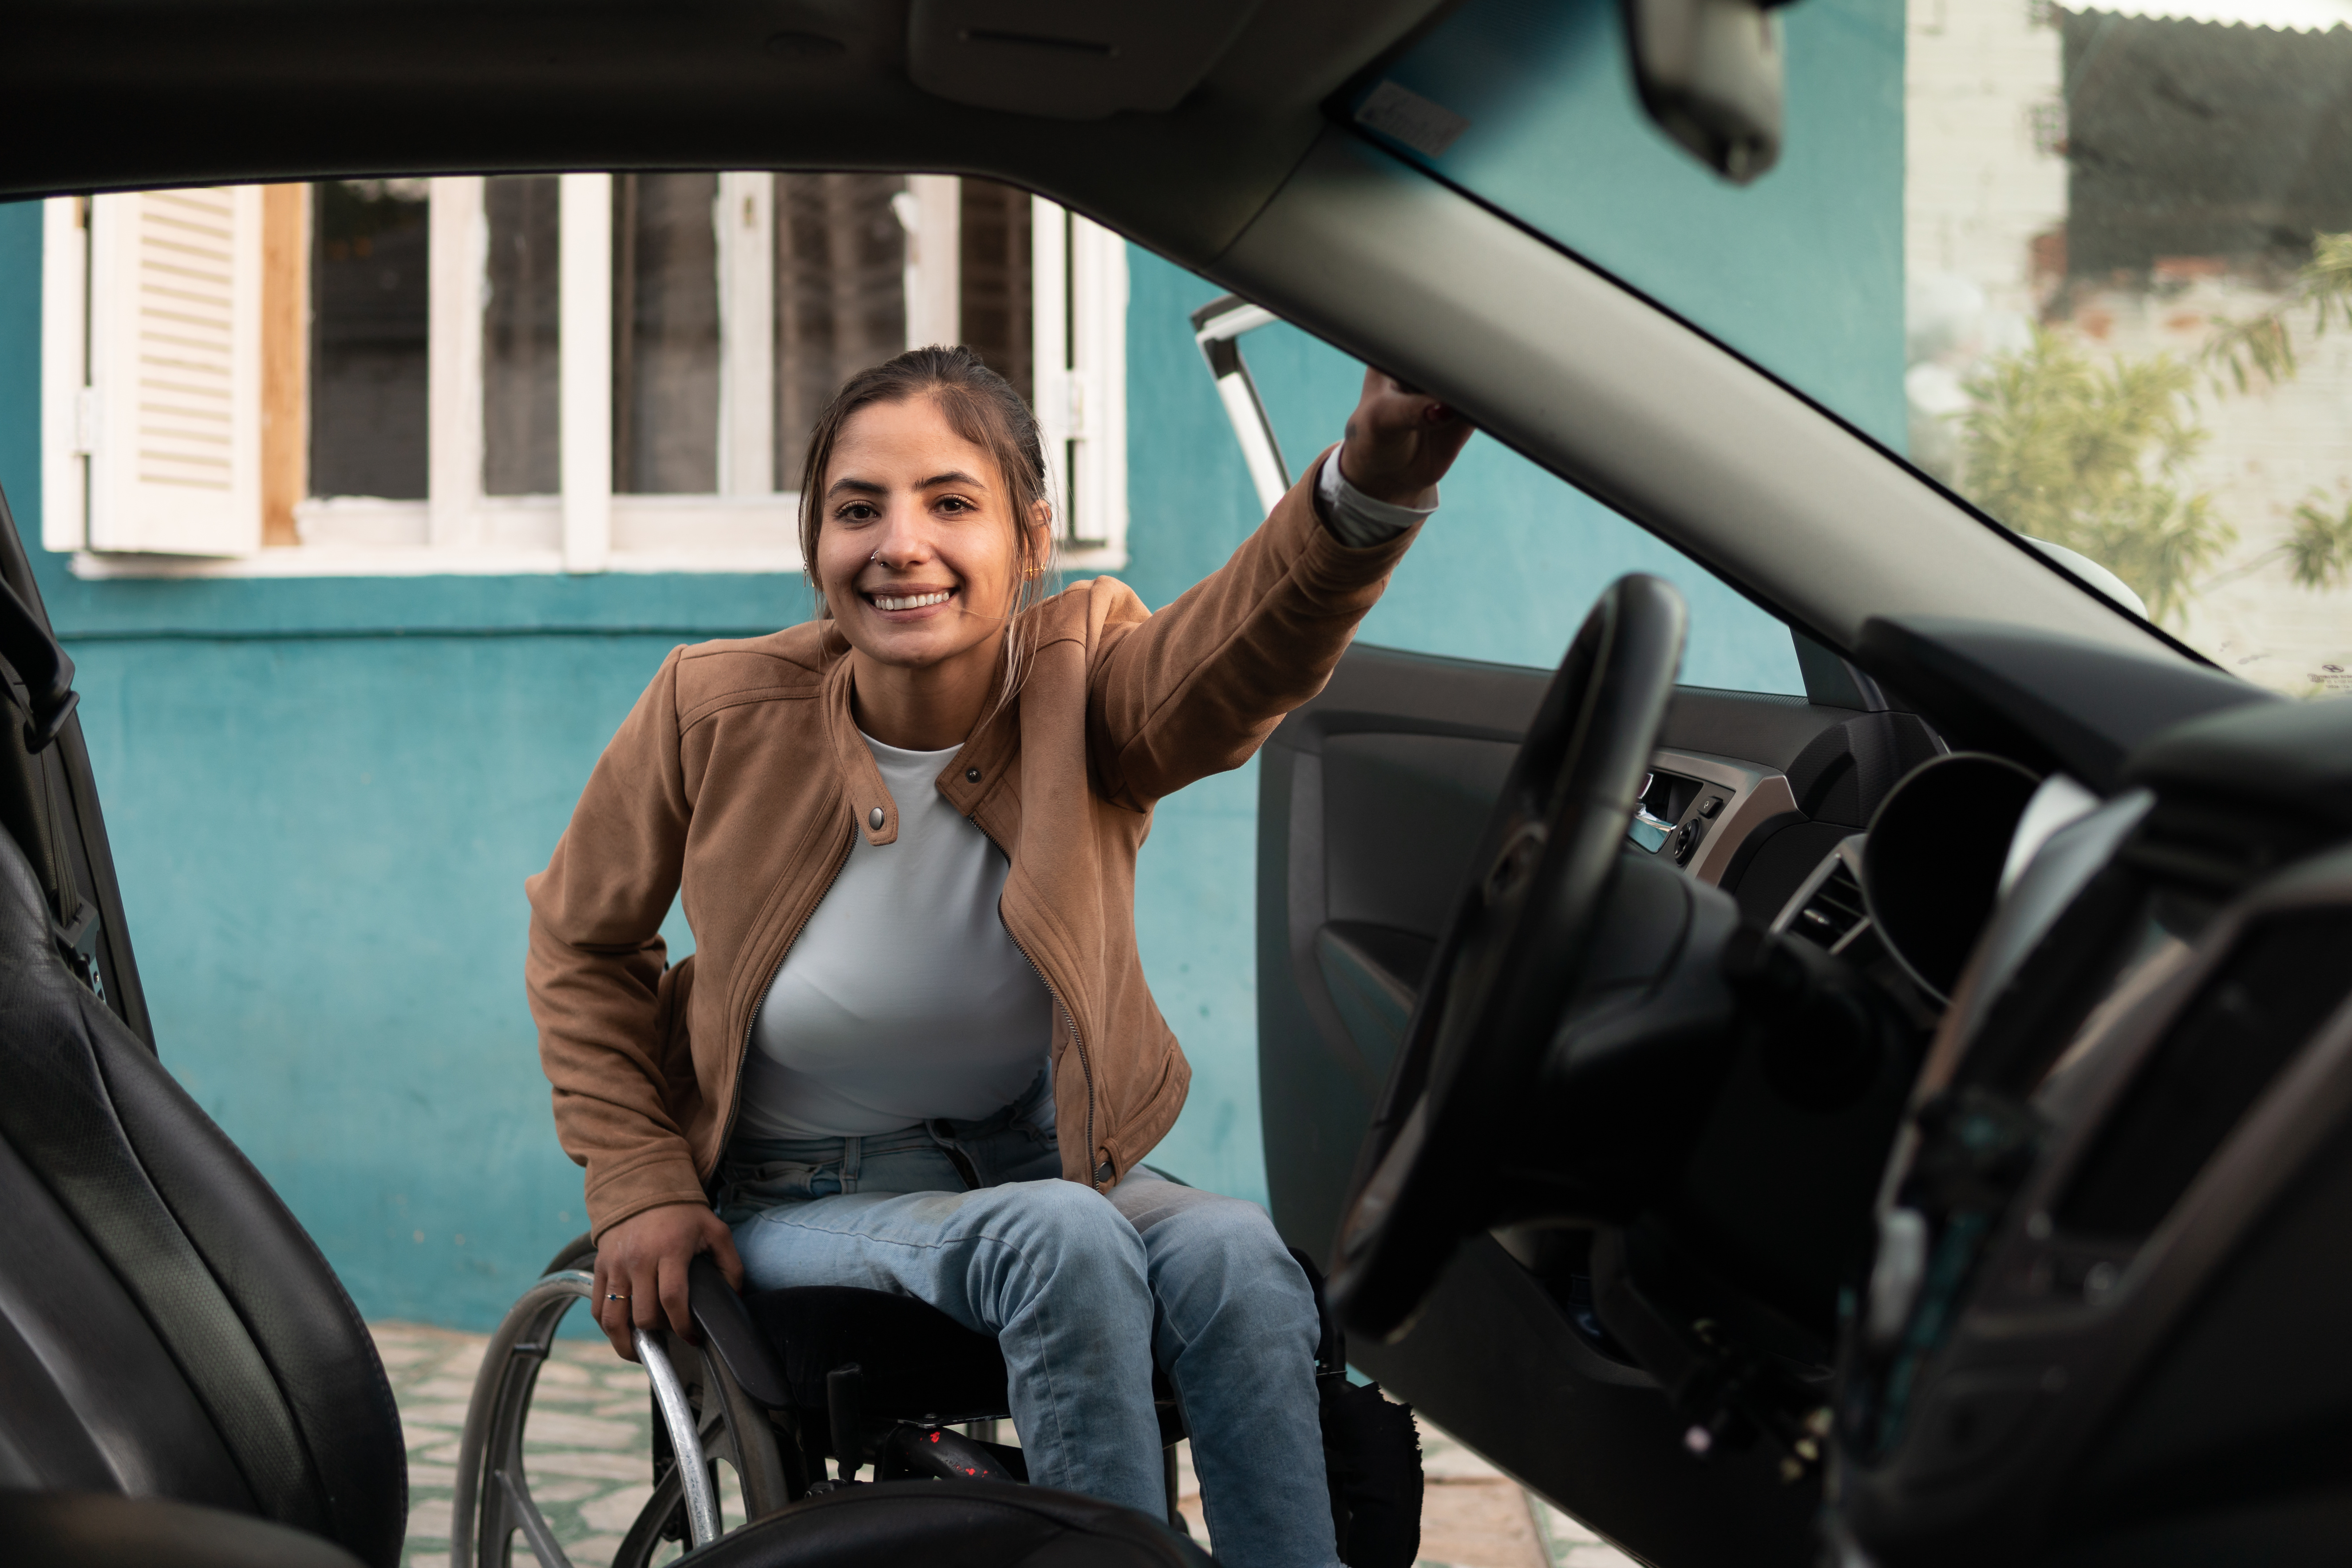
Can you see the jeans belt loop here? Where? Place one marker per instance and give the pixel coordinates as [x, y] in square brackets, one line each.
[852, 1154]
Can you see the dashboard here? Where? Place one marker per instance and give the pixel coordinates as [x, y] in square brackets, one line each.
[2062, 1270]
[2102, 1282]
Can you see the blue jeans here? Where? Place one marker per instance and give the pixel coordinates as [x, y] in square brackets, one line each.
[1083, 1293]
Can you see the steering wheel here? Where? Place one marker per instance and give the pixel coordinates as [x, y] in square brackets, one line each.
[1511, 959]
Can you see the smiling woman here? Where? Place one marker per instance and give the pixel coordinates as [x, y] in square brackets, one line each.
[914, 1050]
[926, 520]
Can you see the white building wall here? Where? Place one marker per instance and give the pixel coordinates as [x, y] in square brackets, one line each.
[1985, 210]
[2267, 451]
[1984, 179]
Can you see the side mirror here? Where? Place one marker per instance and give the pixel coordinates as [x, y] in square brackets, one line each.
[1709, 73]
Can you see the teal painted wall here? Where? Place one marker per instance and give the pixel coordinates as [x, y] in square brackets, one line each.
[324, 794]
[1801, 270]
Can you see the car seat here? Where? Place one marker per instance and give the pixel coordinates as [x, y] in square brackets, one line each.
[166, 1328]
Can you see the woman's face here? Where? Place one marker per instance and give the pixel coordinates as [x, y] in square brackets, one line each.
[915, 546]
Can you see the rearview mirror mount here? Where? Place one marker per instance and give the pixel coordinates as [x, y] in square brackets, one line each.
[1709, 73]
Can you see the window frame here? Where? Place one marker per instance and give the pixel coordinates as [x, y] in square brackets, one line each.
[1079, 287]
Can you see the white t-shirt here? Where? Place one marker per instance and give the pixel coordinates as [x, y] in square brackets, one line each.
[904, 997]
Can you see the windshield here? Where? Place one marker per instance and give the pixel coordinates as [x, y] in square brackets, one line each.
[2091, 268]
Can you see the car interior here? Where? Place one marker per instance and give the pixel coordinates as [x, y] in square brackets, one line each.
[1903, 1125]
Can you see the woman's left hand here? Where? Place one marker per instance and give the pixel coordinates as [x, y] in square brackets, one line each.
[1399, 442]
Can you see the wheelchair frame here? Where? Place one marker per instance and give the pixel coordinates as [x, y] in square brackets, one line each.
[728, 1399]
[703, 1410]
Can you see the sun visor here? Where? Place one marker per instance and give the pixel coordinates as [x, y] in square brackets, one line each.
[1068, 59]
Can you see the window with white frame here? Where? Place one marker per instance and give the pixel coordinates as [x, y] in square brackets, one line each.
[573, 372]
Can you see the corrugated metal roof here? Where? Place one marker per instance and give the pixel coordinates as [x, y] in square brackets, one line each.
[2281, 16]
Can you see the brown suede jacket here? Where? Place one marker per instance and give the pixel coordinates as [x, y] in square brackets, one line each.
[740, 778]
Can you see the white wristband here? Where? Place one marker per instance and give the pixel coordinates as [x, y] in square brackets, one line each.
[1356, 518]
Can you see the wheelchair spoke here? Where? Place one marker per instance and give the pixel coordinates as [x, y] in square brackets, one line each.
[645, 1538]
[696, 1400]
[485, 1511]
[529, 1520]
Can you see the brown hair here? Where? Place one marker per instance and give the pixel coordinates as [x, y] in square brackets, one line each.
[980, 407]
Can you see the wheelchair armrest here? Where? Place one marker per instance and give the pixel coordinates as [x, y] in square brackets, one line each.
[728, 1328]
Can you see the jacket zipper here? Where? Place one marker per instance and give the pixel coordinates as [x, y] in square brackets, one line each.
[1086, 1063]
[1094, 1174]
[743, 1052]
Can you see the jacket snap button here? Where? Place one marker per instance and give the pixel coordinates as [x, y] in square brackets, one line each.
[1105, 1171]
[874, 818]
[971, 775]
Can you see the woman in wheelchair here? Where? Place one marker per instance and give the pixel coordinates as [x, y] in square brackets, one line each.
[913, 1051]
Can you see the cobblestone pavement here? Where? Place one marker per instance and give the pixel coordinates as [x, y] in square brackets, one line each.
[589, 1437]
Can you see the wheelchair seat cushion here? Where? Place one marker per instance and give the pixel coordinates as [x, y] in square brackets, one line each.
[916, 1361]
[969, 1524]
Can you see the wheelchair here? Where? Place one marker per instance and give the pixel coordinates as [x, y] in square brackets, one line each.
[786, 1381]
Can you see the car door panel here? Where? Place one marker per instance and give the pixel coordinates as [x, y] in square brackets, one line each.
[1372, 798]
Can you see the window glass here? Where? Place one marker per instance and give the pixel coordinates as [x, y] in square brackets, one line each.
[841, 295]
[520, 337]
[738, 302]
[1516, 557]
[370, 311]
[2130, 253]
[665, 334]
[1801, 270]
[994, 279]
[2092, 267]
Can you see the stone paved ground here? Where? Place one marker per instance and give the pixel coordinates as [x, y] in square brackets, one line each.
[588, 1439]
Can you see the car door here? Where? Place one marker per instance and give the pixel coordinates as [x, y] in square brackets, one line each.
[1372, 799]
[48, 799]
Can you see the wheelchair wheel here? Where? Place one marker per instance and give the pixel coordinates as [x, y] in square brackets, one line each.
[699, 1407]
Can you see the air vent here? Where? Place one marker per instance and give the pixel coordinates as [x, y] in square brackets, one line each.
[1832, 911]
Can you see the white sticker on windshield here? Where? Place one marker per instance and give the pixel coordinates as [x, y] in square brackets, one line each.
[1404, 115]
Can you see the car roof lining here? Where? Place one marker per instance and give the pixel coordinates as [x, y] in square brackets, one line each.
[162, 93]
[1247, 182]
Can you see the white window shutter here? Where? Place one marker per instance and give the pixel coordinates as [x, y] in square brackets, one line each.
[1079, 316]
[175, 371]
[65, 406]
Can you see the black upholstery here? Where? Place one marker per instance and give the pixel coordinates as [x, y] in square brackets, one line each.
[84, 1530]
[94, 1400]
[166, 1328]
[916, 1361]
[976, 1524]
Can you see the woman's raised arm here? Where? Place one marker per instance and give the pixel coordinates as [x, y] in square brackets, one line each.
[1196, 688]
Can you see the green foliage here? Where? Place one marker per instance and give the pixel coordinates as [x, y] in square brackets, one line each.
[2260, 346]
[2090, 457]
[2319, 551]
